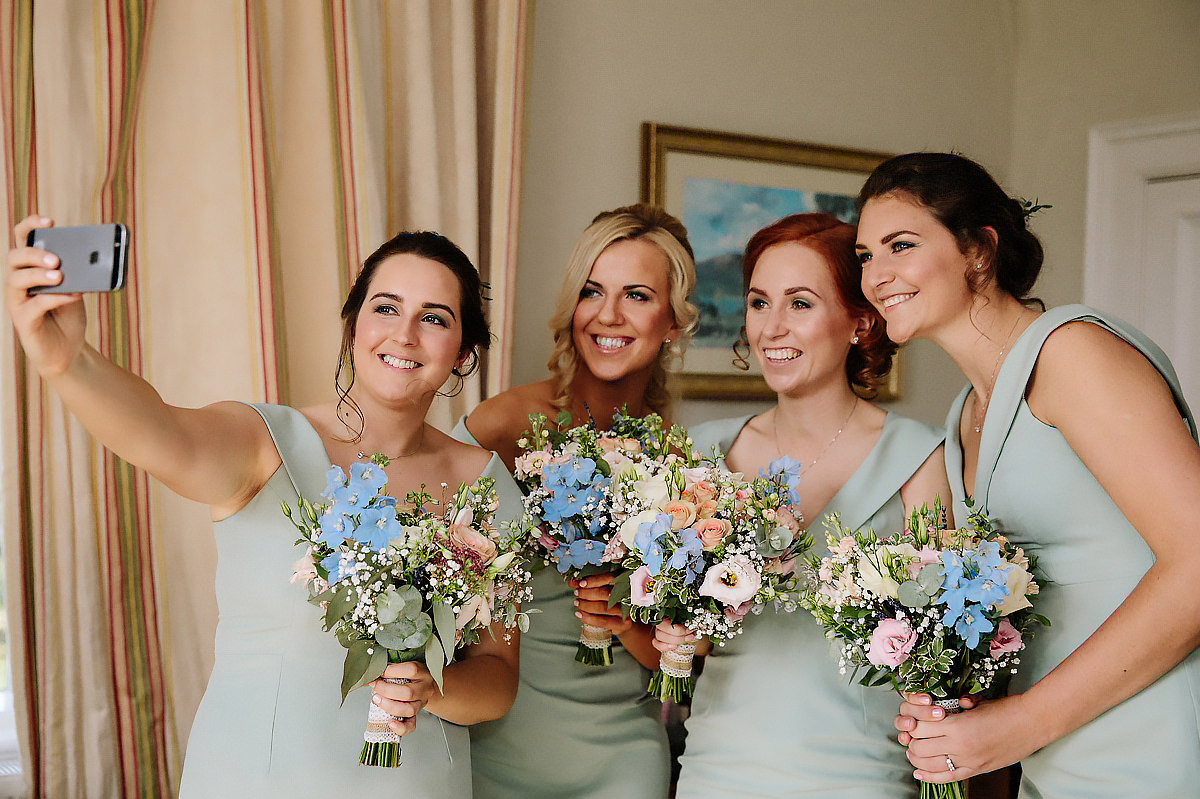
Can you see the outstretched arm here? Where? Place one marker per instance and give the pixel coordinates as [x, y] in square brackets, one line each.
[219, 455]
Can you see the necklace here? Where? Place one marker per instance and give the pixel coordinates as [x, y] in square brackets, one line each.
[421, 440]
[980, 409]
[821, 454]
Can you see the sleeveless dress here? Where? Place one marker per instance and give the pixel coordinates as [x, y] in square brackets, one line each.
[272, 723]
[771, 714]
[1044, 499]
[575, 731]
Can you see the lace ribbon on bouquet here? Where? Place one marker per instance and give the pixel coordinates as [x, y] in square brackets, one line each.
[595, 645]
[381, 745]
[673, 680]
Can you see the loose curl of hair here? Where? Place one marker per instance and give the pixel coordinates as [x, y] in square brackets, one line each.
[965, 199]
[646, 222]
[869, 360]
[476, 335]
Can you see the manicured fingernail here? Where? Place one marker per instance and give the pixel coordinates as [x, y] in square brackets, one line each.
[50, 259]
[583, 583]
[579, 615]
[375, 698]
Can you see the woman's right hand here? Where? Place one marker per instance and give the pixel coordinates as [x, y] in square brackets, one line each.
[50, 326]
[668, 636]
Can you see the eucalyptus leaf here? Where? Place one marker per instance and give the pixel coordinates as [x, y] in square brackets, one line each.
[444, 625]
[912, 595]
[405, 633]
[341, 603]
[398, 603]
[930, 578]
[365, 661]
[435, 660]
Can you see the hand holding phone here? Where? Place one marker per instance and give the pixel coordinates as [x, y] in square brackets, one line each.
[91, 257]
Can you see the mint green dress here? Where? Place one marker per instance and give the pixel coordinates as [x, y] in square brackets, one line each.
[272, 723]
[575, 731]
[771, 715]
[1044, 499]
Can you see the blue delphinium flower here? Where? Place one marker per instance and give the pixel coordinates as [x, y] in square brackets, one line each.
[787, 470]
[972, 624]
[340, 565]
[377, 526]
[335, 527]
[689, 555]
[648, 540]
[579, 553]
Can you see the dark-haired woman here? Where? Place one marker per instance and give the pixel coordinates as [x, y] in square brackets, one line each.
[1073, 434]
[271, 723]
[771, 715]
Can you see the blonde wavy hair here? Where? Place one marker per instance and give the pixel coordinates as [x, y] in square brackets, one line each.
[640, 221]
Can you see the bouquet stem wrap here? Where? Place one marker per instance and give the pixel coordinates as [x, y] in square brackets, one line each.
[949, 790]
[381, 746]
[595, 646]
[673, 680]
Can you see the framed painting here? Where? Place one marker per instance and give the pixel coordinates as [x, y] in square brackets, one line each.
[724, 187]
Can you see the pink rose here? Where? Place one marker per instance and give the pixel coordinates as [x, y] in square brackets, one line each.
[927, 556]
[641, 587]
[786, 519]
[711, 532]
[706, 509]
[891, 642]
[473, 541]
[681, 511]
[305, 571]
[731, 581]
[1006, 639]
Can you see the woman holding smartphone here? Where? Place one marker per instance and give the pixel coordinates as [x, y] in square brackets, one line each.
[771, 715]
[621, 320]
[272, 723]
[1073, 434]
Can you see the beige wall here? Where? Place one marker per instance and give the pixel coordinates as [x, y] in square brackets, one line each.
[1014, 84]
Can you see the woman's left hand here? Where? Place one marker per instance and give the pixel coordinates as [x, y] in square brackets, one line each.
[988, 736]
[591, 604]
[402, 692]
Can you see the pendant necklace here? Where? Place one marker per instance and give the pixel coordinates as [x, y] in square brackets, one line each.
[421, 440]
[846, 421]
[980, 410]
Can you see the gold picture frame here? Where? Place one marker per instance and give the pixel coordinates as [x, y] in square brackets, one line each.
[724, 186]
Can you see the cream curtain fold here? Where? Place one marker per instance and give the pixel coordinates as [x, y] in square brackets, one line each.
[258, 149]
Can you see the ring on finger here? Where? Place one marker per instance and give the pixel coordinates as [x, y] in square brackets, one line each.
[950, 763]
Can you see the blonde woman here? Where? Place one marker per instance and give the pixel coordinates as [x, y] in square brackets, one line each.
[622, 319]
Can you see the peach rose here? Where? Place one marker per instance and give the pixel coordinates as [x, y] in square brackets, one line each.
[682, 513]
[711, 532]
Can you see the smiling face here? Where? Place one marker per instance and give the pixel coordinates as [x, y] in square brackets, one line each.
[408, 333]
[797, 325]
[913, 270]
[624, 311]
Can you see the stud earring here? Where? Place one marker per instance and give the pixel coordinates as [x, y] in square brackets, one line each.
[854, 340]
[666, 341]
[979, 265]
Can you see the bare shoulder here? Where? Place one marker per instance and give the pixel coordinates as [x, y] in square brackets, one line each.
[498, 421]
[464, 462]
[1087, 373]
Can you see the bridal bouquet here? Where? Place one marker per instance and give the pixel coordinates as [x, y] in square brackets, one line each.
[931, 610]
[706, 546]
[570, 476]
[405, 581]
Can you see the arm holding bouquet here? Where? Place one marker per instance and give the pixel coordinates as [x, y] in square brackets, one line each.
[1158, 624]
[413, 316]
[1074, 434]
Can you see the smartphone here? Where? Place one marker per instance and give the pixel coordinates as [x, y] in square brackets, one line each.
[92, 257]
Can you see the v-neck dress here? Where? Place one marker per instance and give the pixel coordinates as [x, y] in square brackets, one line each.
[771, 715]
[272, 722]
[1044, 499]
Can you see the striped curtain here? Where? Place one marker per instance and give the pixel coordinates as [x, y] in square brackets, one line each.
[255, 175]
